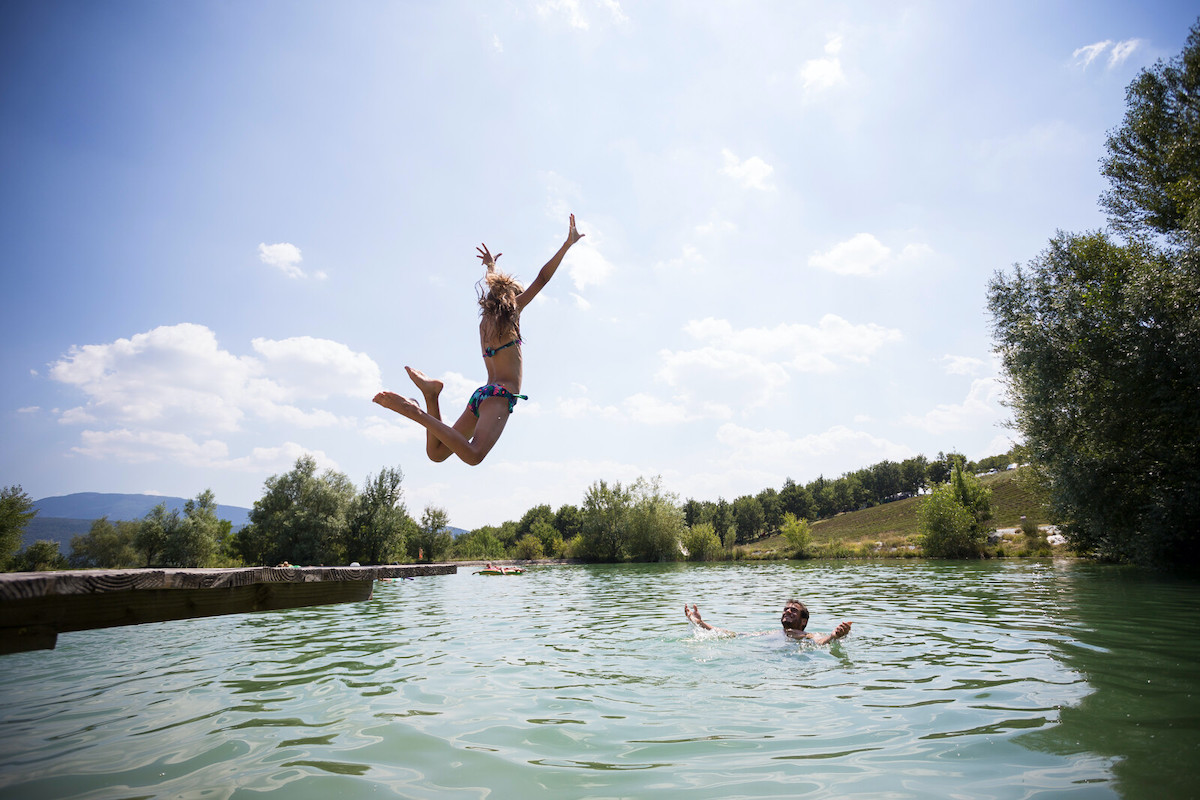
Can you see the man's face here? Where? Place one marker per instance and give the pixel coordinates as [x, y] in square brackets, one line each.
[792, 618]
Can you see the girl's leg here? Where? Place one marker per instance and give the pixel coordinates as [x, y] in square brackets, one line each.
[493, 416]
[431, 389]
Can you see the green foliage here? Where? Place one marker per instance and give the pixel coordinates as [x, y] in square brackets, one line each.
[656, 523]
[702, 544]
[568, 521]
[1101, 340]
[378, 525]
[432, 540]
[798, 534]
[547, 536]
[948, 528]
[153, 533]
[480, 544]
[748, 518]
[107, 545]
[605, 513]
[1153, 161]
[40, 556]
[16, 509]
[196, 540]
[301, 518]
[529, 548]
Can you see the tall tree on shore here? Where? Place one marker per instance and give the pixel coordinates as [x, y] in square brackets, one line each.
[1100, 339]
[16, 509]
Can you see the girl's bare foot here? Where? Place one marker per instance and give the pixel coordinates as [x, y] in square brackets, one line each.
[401, 405]
[429, 387]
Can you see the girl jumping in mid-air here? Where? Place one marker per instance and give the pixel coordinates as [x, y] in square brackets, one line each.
[480, 426]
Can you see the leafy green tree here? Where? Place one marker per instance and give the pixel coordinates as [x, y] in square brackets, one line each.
[952, 517]
[541, 513]
[378, 523]
[548, 538]
[1153, 161]
[16, 509]
[605, 535]
[106, 545]
[529, 548]
[568, 521]
[478, 545]
[913, 474]
[655, 522]
[40, 556]
[702, 543]
[797, 500]
[432, 540]
[154, 531]
[772, 509]
[301, 518]
[748, 518]
[195, 541]
[1101, 340]
[798, 534]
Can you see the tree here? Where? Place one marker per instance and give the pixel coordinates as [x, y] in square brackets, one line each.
[772, 508]
[432, 540]
[797, 500]
[479, 545]
[196, 539]
[529, 548]
[947, 528]
[798, 535]
[568, 521]
[301, 518]
[547, 536]
[106, 545]
[605, 520]
[701, 543]
[655, 522]
[40, 556]
[16, 509]
[378, 523]
[748, 518]
[1153, 161]
[533, 516]
[154, 531]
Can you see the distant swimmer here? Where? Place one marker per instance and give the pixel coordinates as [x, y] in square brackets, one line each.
[479, 427]
[794, 620]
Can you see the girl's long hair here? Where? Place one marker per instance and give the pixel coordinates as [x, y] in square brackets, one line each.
[498, 306]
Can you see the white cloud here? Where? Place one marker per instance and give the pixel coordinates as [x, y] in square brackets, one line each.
[1117, 55]
[580, 302]
[746, 368]
[753, 173]
[573, 11]
[496, 43]
[963, 365]
[819, 74]
[319, 368]
[863, 254]
[586, 266]
[688, 261]
[980, 409]
[1085, 55]
[29, 410]
[834, 451]
[163, 393]
[284, 257]
[716, 226]
[1121, 51]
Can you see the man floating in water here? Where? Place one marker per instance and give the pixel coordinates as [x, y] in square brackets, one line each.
[479, 427]
[794, 620]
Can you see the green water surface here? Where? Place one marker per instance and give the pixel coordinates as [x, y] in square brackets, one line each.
[982, 680]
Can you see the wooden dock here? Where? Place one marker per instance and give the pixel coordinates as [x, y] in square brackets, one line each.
[37, 606]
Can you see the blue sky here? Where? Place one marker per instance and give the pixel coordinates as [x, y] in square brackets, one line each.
[227, 225]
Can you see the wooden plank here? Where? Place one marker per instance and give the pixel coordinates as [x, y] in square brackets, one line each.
[36, 606]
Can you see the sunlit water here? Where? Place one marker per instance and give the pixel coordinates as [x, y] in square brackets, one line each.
[999, 679]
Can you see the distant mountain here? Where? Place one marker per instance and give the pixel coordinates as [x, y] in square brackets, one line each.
[91, 506]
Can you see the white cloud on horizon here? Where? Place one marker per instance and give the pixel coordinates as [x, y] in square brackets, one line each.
[752, 173]
[166, 392]
[864, 255]
[820, 74]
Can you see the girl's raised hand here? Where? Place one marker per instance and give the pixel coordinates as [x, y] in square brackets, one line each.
[573, 235]
[487, 258]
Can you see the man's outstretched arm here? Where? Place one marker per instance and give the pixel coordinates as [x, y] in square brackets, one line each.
[693, 615]
[838, 632]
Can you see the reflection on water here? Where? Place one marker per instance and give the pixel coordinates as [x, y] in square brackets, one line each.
[1006, 680]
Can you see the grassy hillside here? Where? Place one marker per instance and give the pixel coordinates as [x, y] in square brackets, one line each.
[891, 529]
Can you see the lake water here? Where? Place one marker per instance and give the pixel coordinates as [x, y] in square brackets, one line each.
[1000, 679]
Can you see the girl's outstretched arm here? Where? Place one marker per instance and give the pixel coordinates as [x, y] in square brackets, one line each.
[525, 297]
